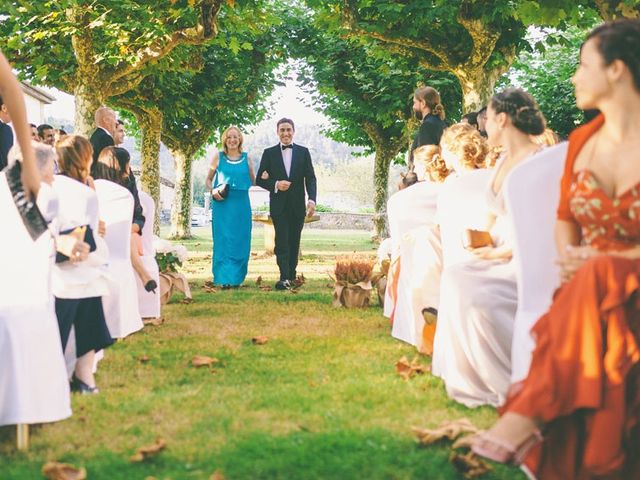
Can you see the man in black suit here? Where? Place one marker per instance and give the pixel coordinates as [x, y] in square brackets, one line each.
[103, 135]
[285, 170]
[6, 134]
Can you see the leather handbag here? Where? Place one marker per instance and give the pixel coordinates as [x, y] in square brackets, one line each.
[477, 239]
[222, 190]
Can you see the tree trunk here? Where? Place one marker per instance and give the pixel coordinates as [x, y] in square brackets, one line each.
[181, 208]
[477, 87]
[88, 99]
[151, 126]
[383, 159]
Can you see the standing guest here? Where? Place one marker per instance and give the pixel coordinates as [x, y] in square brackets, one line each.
[472, 346]
[286, 171]
[231, 213]
[118, 137]
[583, 387]
[34, 132]
[428, 109]
[6, 134]
[46, 133]
[79, 286]
[482, 121]
[102, 136]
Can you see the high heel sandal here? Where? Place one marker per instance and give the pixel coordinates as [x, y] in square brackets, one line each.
[151, 286]
[488, 446]
[79, 386]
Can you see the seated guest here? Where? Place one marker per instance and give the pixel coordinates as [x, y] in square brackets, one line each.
[470, 119]
[79, 286]
[472, 346]
[548, 138]
[481, 118]
[114, 165]
[410, 272]
[463, 149]
[577, 414]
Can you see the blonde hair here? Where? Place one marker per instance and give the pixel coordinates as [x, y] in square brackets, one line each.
[431, 97]
[466, 143]
[429, 158]
[75, 155]
[548, 138]
[225, 134]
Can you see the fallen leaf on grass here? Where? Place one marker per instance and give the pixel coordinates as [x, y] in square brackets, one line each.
[153, 321]
[259, 280]
[260, 340]
[149, 450]
[469, 464]
[266, 288]
[63, 471]
[203, 361]
[464, 442]
[299, 281]
[186, 301]
[446, 431]
[217, 475]
[144, 359]
[407, 370]
[197, 244]
[209, 289]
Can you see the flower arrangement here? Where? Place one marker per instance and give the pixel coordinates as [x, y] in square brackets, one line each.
[352, 279]
[168, 255]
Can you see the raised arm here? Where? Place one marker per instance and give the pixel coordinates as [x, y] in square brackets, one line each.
[212, 171]
[14, 99]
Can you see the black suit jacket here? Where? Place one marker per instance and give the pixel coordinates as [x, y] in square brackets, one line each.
[6, 142]
[301, 175]
[99, 140]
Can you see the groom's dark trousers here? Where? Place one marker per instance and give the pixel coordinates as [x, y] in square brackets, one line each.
[288, 208]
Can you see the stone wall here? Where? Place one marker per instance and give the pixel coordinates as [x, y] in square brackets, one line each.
[346, 221]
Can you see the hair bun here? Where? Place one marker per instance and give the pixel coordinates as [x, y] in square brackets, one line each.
[529, 120]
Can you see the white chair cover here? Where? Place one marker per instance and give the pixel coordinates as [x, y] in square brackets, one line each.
[462, 205]
[412, 207]
[33, 382]
[121, 305]
[148, 302]
[532, 193]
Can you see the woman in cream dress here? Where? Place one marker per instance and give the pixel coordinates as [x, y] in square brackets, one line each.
[478, 298]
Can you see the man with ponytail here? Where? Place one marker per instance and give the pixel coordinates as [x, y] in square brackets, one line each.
[428, 109]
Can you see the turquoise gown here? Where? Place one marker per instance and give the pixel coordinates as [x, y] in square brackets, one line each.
[231, 226]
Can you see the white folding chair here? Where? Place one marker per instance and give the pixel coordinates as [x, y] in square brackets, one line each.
[33, 381]
[121, 305]
[532, 192]
[148, 302]
[462, 205]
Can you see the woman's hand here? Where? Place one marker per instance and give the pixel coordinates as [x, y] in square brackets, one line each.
[265, 175]
[102, 228]
[493, 253]
[574, 258]
[216, 195]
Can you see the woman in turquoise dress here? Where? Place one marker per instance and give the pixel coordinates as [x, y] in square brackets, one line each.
[231, 226]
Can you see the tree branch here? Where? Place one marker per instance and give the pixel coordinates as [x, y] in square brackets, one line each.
[399, 44]
[203, 31]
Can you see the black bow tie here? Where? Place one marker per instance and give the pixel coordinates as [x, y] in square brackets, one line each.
[284, 147]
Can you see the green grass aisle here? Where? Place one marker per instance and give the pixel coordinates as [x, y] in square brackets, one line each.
[319, 400]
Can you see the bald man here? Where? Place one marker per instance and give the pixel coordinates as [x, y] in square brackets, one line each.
[103, 135]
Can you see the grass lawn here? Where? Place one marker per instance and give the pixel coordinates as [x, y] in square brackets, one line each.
[320, 399]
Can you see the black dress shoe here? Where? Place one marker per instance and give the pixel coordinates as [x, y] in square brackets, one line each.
[79, 386]
[151, 286]
[283, 285]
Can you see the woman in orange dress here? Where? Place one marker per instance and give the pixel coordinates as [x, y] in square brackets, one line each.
[577, 414]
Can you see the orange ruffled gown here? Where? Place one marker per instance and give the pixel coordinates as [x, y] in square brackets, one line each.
[584, 380]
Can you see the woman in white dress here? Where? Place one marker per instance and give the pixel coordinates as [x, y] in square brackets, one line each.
[478, 298]
[79, 286]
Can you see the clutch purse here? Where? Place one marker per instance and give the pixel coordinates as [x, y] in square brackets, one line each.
[87, 236]
[477, 239]
[222, 190]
